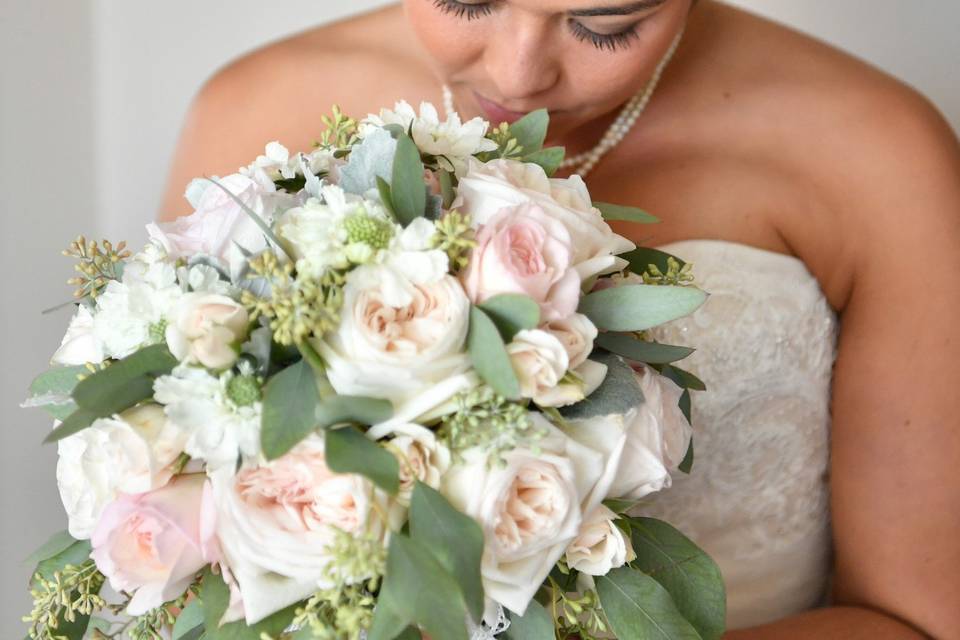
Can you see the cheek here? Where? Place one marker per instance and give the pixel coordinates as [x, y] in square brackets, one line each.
[452, 43]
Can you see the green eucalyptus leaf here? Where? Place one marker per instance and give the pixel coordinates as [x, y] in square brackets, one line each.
[549, 158]
[134, 391]
[406, 185]
[536, 623]
[639, 608]
[455, 539]
[349, 451]
[417, 589]
[52, 390]
[511, 312]
[214, 599]
[691, 577]
[75, 554]
[641, 258]
[684, 379]
[57, 543]
[190, 621]
[98, 389]
[386, 196]
[531, 130]
[686, 465]
[336, 410]
[620, 505]
[636, 307]
[640, 350]
[617, 394]
[489, 355]
[290, 400]
[447, 187]
[628, 214]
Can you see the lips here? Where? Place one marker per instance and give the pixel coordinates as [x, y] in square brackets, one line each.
[496, 113]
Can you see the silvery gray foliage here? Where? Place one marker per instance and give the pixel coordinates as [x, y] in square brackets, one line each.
[618, 394]
[371, 158]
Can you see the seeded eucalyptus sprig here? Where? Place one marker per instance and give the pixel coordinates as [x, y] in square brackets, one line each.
[675, 275]
[488, 420]
[454, 237]
[341, 131]
[71, 592]
[96, 266]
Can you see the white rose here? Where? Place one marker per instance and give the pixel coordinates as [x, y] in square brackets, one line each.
[422, 458]
[79, 345]
[275, 523]
[489, 187]
[576, 333]
[600, 546]
[206, 328]
[642, 446]
[530, 508]
[129, 453]
[395, 351]
[540, 362]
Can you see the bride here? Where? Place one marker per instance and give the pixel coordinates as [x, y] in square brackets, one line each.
[820, 203]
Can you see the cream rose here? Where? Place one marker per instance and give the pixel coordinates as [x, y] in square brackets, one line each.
[540, 362]
[398, 352]
[206, 329]
[275, 522]
[600, 546]
[576, 333]
[489, 187]
[129, 453]
[153, 544]
[642, 446]
[422, 458]
[529, 508]
[79, 345]
[523, 250]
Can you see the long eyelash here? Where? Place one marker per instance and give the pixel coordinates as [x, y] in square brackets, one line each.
[463, 10]
[610, 42]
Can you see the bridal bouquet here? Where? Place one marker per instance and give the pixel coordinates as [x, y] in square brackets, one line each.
[400, 384]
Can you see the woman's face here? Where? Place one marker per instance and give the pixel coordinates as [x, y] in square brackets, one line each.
[580, 59]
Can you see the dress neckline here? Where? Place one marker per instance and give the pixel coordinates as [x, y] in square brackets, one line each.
[737, 245]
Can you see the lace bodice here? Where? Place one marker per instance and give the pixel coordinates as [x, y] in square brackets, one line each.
[757, 499]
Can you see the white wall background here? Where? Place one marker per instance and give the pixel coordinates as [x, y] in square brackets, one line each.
[92, 93]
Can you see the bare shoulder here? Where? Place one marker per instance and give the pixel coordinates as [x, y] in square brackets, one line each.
[281, 91]
[861, 149]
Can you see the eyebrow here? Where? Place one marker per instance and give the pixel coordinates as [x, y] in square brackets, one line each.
[623, 10]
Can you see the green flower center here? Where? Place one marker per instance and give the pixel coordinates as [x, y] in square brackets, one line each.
[243, 391]
[366, 229]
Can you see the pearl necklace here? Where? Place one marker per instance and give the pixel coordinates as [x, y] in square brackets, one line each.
[583, 163]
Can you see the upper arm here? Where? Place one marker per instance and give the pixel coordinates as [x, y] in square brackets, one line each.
[896, 396]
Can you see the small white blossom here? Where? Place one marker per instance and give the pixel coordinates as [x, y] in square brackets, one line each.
[220, 429]
[452, 141]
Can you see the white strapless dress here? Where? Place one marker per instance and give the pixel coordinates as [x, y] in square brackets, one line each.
[758, 497]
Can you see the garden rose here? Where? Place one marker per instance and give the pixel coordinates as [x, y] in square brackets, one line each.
[489, 187]
[129, 453]
[576, 333]
[153, 544]
[206, 328]
[276, 520]
[540, 362]
[397, 352]
[422, 458]
[600, 545]
[530, 508]
[523, 250]
[644, 445]
[79, 345]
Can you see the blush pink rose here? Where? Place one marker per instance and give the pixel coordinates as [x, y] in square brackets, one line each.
[153, 544]
[523, 250]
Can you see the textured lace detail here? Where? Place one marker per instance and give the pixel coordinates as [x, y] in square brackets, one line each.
[757, 499]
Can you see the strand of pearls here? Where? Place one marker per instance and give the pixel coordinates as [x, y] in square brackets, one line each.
[583, 163]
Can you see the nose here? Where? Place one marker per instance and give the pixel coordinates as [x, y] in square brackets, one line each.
[520, 60]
